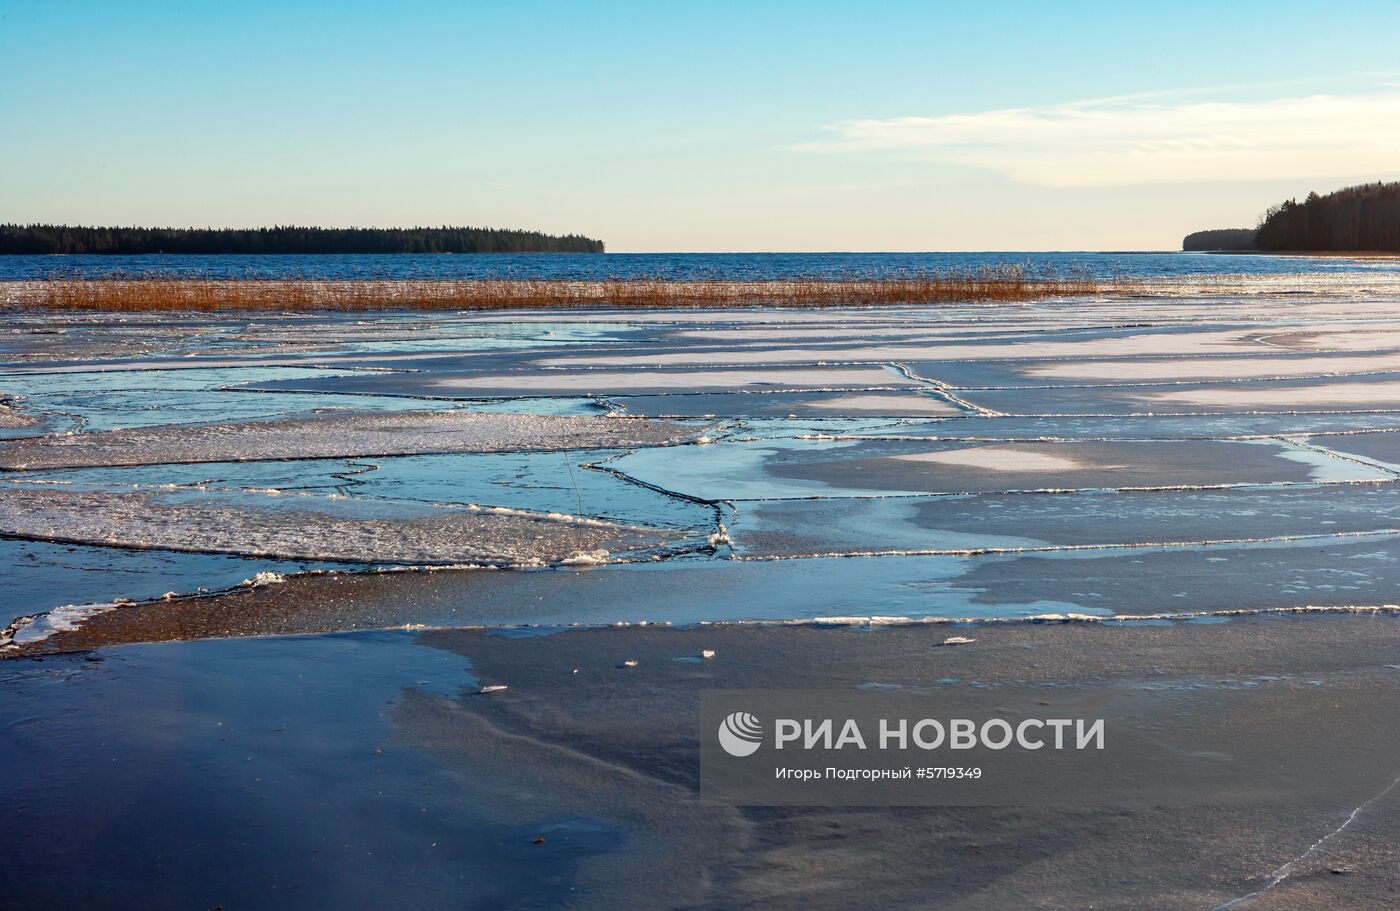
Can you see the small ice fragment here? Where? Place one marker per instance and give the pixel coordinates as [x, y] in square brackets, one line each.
[65, 619]
[707, 653]
[958, 640]
[493, 688]
[263, 578]
[591, 558]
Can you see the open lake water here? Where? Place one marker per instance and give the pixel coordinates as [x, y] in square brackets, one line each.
[683, 266]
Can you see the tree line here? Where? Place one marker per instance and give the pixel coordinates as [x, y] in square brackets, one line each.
[69, 239]
[1362, 218]
[1220, 239]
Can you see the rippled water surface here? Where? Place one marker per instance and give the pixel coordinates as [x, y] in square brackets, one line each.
[731, 266]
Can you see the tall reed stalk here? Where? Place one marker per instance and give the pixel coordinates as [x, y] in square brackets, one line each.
[163, 292]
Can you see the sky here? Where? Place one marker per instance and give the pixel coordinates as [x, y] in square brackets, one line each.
[714, 126]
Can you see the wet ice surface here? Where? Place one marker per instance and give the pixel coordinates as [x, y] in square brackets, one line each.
[123, 399]
[42, 574]
[313, 528]
[1098, 457]
[1014, 522]
[262, 751]
[336, 435]
[776, 469]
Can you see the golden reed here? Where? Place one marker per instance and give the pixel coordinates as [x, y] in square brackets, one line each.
[141, 293]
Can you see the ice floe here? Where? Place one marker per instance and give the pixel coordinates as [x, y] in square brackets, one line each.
[686, 380]
[1353, 394]
[1000, 458]
[874, 403]
[1059, 461]
[339, 436]
[319, 530]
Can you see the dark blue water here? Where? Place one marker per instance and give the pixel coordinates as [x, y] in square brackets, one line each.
[698, 266]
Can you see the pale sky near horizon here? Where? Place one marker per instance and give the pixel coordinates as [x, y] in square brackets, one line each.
[710, 126]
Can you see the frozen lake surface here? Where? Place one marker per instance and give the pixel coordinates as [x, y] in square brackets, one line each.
[1090, 458]
[259, 569]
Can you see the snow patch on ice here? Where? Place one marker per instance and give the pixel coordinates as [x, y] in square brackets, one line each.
[998, 458]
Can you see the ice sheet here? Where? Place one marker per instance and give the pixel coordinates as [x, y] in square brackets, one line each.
[1123, 371]
[1159, 343]
[1079, 440]
[40, 575]
[317, 529]
[991, 523]
[1000, 458]
[1318, 396]
[1367, 392]
[874, 403]
[643, 380]
[774, 469]
[339, 436]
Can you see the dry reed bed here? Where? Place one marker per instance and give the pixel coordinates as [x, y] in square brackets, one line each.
[150, 293]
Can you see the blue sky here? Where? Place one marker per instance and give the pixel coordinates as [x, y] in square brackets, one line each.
[705, 126]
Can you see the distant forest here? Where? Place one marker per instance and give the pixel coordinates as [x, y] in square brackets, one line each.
[1220, 239]
[48, 239]
[1364, 218]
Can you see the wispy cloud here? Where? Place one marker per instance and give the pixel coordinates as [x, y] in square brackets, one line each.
[1122, 141]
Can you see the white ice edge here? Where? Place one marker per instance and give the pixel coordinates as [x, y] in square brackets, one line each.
[877, 620]
[1071, 548]
[38, 627]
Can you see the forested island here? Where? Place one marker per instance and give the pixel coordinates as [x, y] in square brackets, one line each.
[1363, 218]
[68, 239]
[1220, 239]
